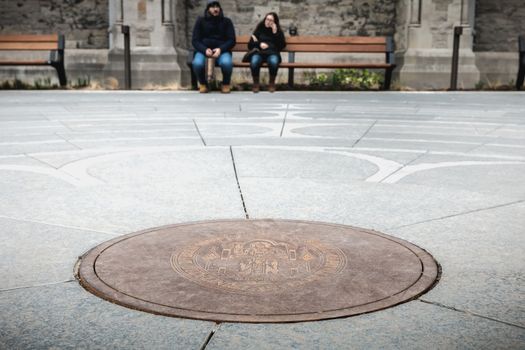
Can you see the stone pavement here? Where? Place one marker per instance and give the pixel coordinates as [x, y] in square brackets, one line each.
[444, 171]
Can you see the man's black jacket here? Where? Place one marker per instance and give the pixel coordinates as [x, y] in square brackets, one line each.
[211, 32]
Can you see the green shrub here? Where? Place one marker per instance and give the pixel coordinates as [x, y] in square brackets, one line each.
[38, 84]
[82, 82]
[41, 84]
[346, 79]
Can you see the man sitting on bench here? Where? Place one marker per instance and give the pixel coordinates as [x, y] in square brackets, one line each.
[213, 37]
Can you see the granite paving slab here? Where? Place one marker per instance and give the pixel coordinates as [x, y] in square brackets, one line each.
[32, 147]
[299, 163]
[65, 316]
[27, 261]
[490, 176]
[481, 254]
[278, 141]
[442, 170]
[364, 204]
[499, 150]
[430, 145]
[110, 193]
[415, 325]
[353, 132]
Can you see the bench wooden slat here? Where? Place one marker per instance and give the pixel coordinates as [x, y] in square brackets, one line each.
[334, 48]
[24, 46]
[24, 63]
[307, 47]
[328, 44]
[301, 65]
[323, 44]
[54, 43]
[28, 38]
[356, 40]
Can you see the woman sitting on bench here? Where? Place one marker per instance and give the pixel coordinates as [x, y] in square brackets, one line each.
[268, 38]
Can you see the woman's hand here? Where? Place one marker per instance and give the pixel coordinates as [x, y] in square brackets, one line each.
[274, 27]
[263, 46]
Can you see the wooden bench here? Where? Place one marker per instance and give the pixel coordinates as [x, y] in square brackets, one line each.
[521, 70]
[326, 44]
[53, 43]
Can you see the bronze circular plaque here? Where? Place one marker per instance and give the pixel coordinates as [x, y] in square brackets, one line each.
[258, 270]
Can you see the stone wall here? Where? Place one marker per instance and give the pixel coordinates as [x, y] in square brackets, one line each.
[312, 17]
[423, 47]
[498, 24]
[442, 22]
[84, 22]
[401, 25]
[181, 24]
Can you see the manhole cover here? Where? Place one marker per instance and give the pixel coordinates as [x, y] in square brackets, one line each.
[257, 271]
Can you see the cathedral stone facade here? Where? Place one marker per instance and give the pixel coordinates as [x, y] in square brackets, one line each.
[161, 35]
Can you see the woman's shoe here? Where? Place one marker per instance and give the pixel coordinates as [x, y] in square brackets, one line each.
[256, 87]
[225, 89]
[203, 88]
[271, 85]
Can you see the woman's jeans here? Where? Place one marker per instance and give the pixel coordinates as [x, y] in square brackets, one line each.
[257, 61]
[224, 61]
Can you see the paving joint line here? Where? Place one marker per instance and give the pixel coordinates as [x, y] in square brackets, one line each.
[67, 141]
[40, 161]
[58, 225]
[199, 132]
[65, 125]
[421, 155]
[494, 130]
[459, 214]
[470, 313]
[238, 184]
[365, 133]
[210, 335]
[477, 147]
[37, 285]
[284, 121]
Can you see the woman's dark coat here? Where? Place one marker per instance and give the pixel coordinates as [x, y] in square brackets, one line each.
[276, 42]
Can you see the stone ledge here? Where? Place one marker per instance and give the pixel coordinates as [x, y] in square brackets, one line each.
[497, 67]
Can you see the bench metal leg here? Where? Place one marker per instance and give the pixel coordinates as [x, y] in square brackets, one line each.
[189, 63]
[61, 74]
[388, 79]
[291, 59]
[193, 78]
[521, 76]
[290, 77]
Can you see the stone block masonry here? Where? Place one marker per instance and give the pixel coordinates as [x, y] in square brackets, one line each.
[498, 24]
[162, 29]
[84, 22]
[312, 17]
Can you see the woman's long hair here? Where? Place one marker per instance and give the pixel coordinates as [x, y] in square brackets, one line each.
[261, 26]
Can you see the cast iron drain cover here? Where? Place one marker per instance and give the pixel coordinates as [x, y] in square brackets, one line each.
[258, 271]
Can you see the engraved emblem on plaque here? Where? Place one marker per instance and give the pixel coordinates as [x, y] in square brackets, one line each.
[257, 266]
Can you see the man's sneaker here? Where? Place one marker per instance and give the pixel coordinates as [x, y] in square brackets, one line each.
[225, 89]
[203, 88]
